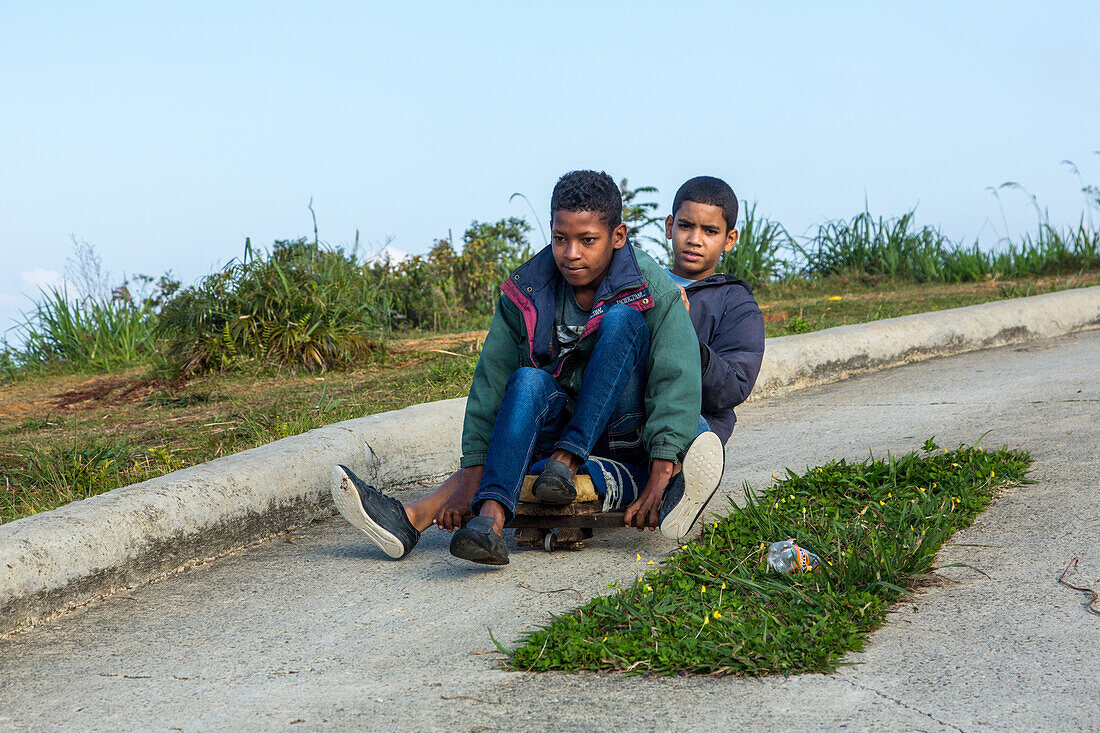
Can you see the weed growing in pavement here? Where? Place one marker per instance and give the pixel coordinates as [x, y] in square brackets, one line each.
[713, 607]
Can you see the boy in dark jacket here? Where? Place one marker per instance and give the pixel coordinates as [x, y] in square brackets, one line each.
[590, 351]
[723, 311]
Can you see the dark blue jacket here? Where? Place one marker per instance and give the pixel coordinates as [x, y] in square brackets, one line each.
[730, 328]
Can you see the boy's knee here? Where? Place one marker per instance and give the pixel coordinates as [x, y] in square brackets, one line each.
[530, 379]
[620, 316]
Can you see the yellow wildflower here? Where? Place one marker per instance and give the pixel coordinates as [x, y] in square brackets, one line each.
[706, 620]
[647, 588]
[638, 557]
[716, 614]
[649, 563]
[704, 589]
[836, 297]
[723, 586]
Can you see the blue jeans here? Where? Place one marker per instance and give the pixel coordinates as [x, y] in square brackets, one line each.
[534, 418]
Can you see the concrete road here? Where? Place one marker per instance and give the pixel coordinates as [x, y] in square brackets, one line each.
[321, 631]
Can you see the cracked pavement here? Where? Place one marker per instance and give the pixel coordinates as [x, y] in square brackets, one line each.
[319, 630]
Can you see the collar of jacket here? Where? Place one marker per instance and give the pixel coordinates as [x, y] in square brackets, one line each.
[532, 287]
[718, 279]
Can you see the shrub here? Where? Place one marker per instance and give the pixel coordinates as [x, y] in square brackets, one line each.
[450, 289]
[301, 306]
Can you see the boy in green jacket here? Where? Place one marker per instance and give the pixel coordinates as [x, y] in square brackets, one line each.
[590, 351]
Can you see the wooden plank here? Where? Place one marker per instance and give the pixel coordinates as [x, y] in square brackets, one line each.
[603, 519]
[586, 491]
[567, 510]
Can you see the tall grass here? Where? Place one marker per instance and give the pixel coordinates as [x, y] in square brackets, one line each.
[757, 256]
[897, 248]
[93, 332]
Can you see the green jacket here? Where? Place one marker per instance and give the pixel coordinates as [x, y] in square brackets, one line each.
[521, 334]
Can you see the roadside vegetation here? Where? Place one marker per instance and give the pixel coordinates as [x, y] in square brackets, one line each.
[115, 383]
[713, 607]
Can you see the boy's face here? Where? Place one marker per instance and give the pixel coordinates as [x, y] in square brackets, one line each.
[699, 238]
[583, 246]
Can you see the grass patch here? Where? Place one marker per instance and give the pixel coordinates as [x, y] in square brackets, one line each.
[713, 608]
[144, 428]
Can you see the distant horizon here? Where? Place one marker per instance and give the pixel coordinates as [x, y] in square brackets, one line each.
[165, 135]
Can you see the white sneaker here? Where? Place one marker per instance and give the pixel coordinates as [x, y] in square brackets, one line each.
[689, 491]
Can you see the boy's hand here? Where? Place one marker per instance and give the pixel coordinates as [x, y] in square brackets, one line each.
[645, 511]
[684, 297]
[458, 506]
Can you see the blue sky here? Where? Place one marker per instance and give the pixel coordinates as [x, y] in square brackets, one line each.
[164, 133]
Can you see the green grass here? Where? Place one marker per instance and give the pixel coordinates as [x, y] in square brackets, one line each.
[714, 608]
[758, 255]
[897, 248]
[302, 306]
[53, 451]
[95, 334]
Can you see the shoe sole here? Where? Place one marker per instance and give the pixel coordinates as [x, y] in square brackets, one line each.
[346, 497]
[466, 547]
[703, 467]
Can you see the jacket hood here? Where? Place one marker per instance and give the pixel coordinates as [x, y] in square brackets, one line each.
[718, 279]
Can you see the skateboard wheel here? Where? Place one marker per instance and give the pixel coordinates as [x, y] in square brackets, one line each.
[549, 542]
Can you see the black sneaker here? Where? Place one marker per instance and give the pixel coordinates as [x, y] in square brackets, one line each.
[690, 490]
[477, 542]
[381, 517]
[555, 484]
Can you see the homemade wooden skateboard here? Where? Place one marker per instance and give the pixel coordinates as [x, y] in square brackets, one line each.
[560, 527]
[556, 527]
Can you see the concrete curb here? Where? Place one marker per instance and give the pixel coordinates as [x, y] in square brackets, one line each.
[797, 362]
[56, 560]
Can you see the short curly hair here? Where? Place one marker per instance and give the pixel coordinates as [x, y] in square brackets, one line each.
[589, 191]
[709, 190]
